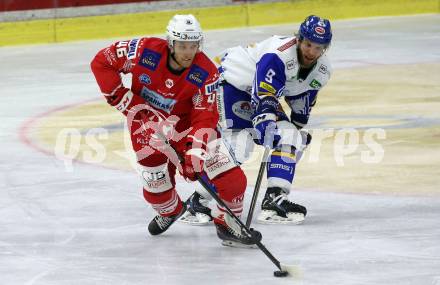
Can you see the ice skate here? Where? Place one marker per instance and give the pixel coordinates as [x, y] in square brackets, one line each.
[277, 209]
[198, 212]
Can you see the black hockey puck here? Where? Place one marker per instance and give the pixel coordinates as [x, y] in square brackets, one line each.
[280, 273]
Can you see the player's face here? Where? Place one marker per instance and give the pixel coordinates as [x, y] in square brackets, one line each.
[184, 52]
[309, 52]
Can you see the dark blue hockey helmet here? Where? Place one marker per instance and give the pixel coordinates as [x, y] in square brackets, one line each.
[316, 29]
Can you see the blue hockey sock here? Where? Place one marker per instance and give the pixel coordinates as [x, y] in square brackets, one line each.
[281, 169]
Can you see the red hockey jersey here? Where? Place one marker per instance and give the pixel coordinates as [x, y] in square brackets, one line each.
[190, 95]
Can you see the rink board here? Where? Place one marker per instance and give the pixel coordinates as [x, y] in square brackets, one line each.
[150, 23]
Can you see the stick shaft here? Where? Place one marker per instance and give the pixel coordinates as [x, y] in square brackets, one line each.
[208, 187]
[257, 186]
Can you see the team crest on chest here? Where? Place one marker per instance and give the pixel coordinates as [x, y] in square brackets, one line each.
[144, 79]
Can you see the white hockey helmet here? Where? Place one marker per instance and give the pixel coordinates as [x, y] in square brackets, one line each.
[184, 28]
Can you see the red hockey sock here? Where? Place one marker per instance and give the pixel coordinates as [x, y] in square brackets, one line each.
[167, 203]
[231, 186]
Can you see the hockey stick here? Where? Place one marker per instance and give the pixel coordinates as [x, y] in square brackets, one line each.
[257, 186]
[284, 270]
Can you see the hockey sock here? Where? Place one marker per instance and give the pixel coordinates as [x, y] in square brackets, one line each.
[281, 169]
[231, 186]
[166, 203]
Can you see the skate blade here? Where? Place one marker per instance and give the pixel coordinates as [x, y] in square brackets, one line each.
[199, 219]
[271, 218]
[238, 244]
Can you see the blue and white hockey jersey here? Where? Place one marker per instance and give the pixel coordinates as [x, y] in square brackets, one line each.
[271, 68]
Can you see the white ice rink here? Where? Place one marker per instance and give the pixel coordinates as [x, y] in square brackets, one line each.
[89, 226]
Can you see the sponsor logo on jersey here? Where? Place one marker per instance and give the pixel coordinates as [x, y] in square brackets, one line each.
[243, 110]
[169, 83]
[290, 64]
[109, 56]
[211, 88]
[287, 45]
[150, 59]
[197, 100]
[197, 76]
[263, 94]
[238, 199]
[125, 102]
[158, 101]
[128, 66]
[323, 69]
[268, 87]
[155, 179]
[217, 161]
[315, 84]
[144, 79]
[132, 48]
[279, 166]
[154, 176]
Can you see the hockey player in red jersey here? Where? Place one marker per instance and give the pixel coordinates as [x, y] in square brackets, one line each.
[171, 111]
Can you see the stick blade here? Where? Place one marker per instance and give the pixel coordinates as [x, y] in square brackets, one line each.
[293, 270]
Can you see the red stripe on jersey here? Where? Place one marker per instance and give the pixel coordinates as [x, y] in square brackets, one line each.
[287, 45]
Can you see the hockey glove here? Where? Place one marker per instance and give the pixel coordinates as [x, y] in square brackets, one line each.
[267, 131]
[193, 163]
[306, 139]
[281, 116]
[264, 122]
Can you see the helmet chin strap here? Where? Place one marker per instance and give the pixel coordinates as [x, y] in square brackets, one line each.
[179, 69]
[174, 58]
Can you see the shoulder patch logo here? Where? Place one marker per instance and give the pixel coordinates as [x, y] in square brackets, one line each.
[290, 64]
[287, 45]
[315, 84]
[150, 59]
[323, 69]
[197, 76]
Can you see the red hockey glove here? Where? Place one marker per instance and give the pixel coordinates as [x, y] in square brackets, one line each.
[193, 163]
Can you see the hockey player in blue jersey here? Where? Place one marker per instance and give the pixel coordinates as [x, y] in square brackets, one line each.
[255, 79]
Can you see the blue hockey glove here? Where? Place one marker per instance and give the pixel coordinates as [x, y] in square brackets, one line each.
[264, 122]
[267, 131]
[281, 116]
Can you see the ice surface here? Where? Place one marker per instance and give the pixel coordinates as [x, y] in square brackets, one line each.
[89, 226]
